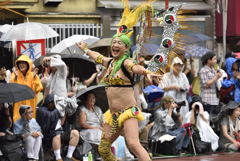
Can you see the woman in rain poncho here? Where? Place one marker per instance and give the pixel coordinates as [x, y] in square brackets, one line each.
[24, 75]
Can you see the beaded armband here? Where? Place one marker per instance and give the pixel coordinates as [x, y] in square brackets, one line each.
[99, 59]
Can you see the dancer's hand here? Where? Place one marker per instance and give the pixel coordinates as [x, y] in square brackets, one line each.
[150, 76]
[82, 45]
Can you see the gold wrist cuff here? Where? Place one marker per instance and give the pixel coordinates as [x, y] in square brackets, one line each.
[99, 59]
[86, 50]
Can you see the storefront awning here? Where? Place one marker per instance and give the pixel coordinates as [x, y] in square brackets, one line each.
[198, 5]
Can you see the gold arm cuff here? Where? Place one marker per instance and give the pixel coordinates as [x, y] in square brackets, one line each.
[130, 67]
[99, 59]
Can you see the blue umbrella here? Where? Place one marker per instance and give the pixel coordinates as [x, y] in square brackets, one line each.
[153, 92]
[200, 37]
[195, 51]
[147, 49]
[196, 38]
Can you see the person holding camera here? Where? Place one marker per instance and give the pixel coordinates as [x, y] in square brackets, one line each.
[56, 83]
[176, 85]
[167, 121]
[200, 119]
[209, 77]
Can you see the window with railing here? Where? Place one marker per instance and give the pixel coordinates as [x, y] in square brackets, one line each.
[67, 30]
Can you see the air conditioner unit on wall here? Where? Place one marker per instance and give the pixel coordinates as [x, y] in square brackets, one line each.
[52, 2]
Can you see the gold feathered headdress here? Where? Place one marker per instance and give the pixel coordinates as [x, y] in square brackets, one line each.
[131, 17]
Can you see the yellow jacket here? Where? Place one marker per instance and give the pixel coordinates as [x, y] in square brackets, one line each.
[33, 82]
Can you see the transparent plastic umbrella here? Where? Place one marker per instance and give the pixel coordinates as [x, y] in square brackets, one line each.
[5, 28]
[29, 31]
[68, 45]
[195, 51]
[105, 42]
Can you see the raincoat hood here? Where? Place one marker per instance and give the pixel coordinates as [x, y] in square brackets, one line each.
[229, 63]
[25, 58]
[49, 98]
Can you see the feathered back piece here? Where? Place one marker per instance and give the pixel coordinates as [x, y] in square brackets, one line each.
[131, 17]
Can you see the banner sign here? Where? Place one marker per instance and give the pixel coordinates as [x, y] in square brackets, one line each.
[32, 48]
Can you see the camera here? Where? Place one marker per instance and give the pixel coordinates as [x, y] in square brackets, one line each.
[45, 64]
[196, 107]
[179, 105]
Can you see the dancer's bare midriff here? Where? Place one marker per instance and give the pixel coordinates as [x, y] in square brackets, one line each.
[120, 98]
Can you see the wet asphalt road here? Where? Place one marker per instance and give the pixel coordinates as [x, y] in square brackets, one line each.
[212, 157]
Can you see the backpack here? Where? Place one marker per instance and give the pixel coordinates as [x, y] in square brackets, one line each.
[225, 94]
[12, 148]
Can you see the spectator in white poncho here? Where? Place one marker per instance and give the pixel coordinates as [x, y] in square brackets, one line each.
[176, 85]
[200, 118]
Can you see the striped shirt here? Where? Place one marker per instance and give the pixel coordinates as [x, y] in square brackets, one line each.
[208, 94]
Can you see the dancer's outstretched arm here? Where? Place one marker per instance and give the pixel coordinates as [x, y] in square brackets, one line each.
[138, 69]
[96, 56]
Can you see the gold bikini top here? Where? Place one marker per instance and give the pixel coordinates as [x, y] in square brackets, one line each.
[113, 80]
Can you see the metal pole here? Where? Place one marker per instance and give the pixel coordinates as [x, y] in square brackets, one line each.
[224, 19]
[193, 145]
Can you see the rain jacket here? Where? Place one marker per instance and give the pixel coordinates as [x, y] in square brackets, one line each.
[48, 121]
[232, 81]
[23, 126]
[33, 82]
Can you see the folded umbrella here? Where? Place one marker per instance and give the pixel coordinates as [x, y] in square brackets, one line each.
[13, 92]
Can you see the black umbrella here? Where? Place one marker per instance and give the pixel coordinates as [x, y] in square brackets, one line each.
[79, 65]
[100, 93]
[13, 92]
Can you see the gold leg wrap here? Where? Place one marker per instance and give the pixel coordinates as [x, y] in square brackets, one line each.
[104, 150]
[114, 127]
